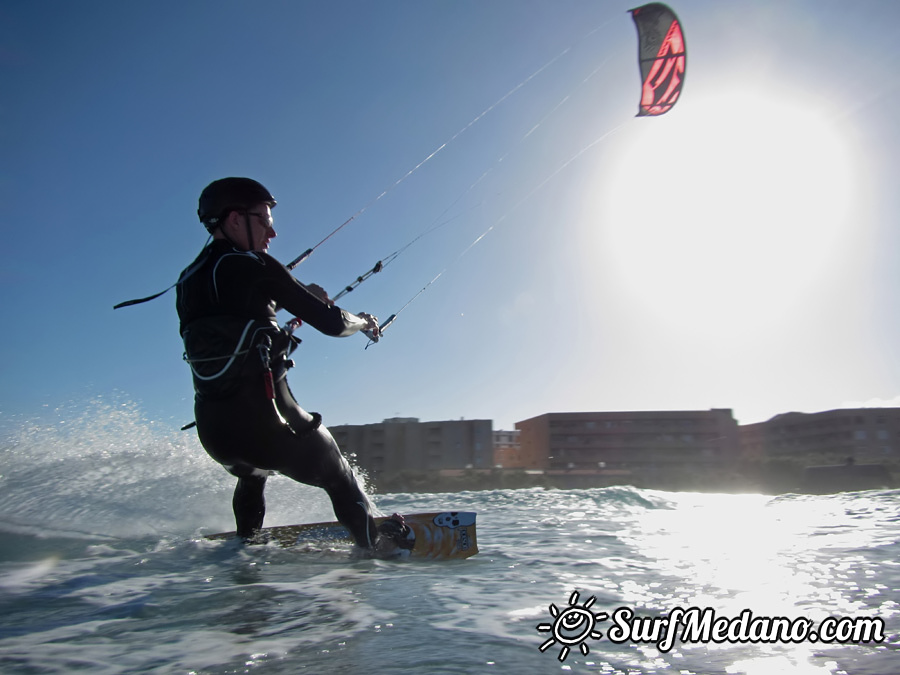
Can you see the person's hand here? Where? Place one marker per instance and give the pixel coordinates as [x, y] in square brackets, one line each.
[371, 324]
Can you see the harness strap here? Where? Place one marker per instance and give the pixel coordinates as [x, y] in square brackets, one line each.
[188, 272]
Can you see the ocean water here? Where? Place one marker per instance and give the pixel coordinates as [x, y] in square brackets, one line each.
[103, 569]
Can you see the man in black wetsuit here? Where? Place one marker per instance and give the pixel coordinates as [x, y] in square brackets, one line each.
[247, 417]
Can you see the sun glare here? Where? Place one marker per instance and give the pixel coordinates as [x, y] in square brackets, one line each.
[718, 218]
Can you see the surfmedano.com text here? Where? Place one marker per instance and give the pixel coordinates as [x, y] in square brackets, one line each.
[696, 625]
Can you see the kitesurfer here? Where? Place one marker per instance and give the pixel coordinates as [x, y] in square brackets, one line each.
[247, 418]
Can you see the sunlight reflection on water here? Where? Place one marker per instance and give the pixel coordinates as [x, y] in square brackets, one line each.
[791, 556]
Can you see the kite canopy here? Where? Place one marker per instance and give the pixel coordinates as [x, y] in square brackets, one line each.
[662, 57]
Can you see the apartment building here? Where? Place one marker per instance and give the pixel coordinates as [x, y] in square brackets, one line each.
[860, 434]
[406, 444]
[507, 450]
[628, 440]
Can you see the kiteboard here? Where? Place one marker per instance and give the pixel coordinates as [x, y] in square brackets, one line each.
[441, 535]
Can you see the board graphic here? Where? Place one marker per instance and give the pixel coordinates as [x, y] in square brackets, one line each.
[440, 535]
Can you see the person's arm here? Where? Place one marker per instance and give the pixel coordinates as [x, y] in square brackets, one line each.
[310, 304]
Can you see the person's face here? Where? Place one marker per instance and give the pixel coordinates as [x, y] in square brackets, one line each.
[261, 230]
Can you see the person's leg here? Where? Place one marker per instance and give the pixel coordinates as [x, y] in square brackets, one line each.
[353, 509]
[224, 432]
[315, 459]
[249, 504]
[312, 456]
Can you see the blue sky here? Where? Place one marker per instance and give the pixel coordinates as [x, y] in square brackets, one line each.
[739, 252]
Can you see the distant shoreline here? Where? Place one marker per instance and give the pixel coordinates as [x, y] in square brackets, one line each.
[773, 477]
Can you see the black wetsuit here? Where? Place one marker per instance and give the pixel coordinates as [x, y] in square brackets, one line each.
[247, 417]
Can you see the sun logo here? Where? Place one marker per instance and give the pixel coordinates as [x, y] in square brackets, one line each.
[572, 626]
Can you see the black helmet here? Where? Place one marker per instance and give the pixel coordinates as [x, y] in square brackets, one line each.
[230, 194]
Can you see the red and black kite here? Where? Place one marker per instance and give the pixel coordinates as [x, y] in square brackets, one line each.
[662, 57]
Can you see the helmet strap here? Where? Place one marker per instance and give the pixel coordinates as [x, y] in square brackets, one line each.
[249, 231]
[224, 233]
